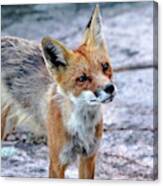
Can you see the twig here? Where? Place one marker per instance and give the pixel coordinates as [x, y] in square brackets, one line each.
[127, 159]
[134, 67]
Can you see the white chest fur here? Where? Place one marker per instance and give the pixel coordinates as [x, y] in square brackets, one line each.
[81, 125]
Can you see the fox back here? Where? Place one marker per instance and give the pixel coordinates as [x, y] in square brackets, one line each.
[25, 80]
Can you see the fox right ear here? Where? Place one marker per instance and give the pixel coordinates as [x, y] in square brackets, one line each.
[56, 55]
[93, 34]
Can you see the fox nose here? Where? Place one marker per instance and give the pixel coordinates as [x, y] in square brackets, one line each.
[109, 88]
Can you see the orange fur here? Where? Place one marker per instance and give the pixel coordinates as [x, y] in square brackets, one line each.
[55, 143]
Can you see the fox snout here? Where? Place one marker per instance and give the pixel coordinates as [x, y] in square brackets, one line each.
[106, 94]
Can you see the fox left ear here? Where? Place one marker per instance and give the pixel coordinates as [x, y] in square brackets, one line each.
[56, 55]
[93, 34]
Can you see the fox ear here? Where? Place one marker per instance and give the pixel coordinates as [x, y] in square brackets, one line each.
[93, 34]
[55, 53]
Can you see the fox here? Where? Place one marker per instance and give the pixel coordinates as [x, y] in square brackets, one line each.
[63, 91]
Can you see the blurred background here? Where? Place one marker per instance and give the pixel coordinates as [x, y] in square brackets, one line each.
[129, 145]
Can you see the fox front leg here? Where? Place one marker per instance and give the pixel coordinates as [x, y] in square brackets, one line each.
[56, 170]
[87, 167]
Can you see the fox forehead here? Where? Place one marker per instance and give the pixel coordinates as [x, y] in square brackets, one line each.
[89, 59]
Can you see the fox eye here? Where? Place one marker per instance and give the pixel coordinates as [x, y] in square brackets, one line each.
[82, 78]
[105, 66]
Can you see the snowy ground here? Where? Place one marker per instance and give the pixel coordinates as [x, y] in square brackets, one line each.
[128, 149]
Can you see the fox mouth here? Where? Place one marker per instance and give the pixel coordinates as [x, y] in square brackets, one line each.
[89, 99]
[104, 101]
[108, 99]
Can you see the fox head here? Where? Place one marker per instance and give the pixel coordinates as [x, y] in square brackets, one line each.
[84, 73]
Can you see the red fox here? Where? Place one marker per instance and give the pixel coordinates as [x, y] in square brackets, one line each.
[63, 90]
